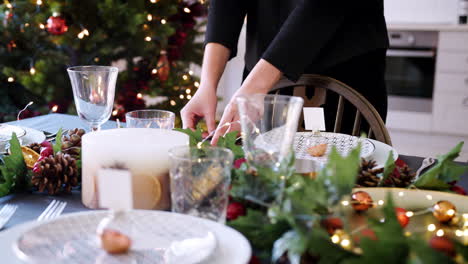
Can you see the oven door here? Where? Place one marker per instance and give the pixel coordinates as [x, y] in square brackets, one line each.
[410, 72]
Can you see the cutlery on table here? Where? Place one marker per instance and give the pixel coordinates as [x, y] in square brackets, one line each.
[6, 213]
[426, 163]
[53, 210]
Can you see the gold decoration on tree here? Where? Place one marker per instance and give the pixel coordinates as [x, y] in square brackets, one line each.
[56, 174]
[163, 66]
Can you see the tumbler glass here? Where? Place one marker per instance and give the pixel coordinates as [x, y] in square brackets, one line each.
[93, 91]
[150, 118]
[200, 179]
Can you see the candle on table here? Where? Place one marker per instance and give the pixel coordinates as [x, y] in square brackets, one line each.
[142, 151]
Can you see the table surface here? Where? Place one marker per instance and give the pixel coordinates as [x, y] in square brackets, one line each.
[30, 205]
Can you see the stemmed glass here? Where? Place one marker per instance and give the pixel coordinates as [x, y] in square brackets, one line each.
[93, 91]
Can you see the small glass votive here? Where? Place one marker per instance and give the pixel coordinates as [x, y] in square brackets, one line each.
[200, 179]
[150, 119]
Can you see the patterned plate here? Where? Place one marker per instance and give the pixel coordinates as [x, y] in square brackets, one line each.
[343, 143]
[174, 238]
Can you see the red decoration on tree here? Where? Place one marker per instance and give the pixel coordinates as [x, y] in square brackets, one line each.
[56, 24]
[234, 210]
[443, 245]
[332, 224]
[403, 219]
[361, 201]
[163, 66]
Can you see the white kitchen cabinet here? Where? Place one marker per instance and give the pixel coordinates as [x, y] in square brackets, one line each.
[451, 113]
[452, 62]
[451, 83]
[453, 41]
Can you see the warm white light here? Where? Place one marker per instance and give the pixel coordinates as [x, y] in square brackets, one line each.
[26, 24]
[139, 96]
[380, 202]
[181, 96]
[154, 1]
[41, 26]
[345, 243]
[185, 77]
[401, 194]
[189, 97]
[11, 79]
[32, 71]
[115, 112]
[345, 203]
[9, 5]
[81, 35]
[431, 227]
[173, 102]
[86, 32]
[409, 214]
[188, 91]
[154, 71]
[39, 2]
[196, 84]
[54, 108]
[458, 233]
[163, 21]
[335, 239]
[440, 233]
[429, 197]
[465, 233]
[148, 38]
[187, 10]
[190, 72]
[149, 17]
[96, 59]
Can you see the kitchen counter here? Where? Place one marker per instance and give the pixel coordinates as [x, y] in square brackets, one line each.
[427, 27]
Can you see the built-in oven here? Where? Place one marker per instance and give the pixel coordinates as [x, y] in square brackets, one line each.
[410, 73]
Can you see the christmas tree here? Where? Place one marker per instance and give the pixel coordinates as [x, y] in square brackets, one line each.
[154, 42]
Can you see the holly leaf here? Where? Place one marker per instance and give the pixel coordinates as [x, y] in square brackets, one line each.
[195, 136]
[443, 172]
[229, 141]
[259, 230]
[388, 168]
[13, 169]
[58, 141]
[339, 175]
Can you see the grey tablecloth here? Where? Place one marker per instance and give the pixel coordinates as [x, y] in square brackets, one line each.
[31, 205]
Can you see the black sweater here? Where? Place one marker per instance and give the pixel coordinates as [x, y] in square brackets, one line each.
[299, 36]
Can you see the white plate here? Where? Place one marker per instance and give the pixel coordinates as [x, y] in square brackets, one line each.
[72, 239]
[6, 131]
[343, 143]
[32, 136]
[417, 199]
[381, 152]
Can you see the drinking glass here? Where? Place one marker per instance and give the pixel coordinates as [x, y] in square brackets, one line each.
[200, 179]
[268, 127]
[150, 119]
[93, 91]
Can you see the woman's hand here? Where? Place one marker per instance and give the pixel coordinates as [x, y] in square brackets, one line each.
[260, 80]
[202, 105]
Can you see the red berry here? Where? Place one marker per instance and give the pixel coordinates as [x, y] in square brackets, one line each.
[365, 233]
[234, 210]
[46, 144]
[443, 244]
[239, 162]
[37, 168]
[332, 224]
[458, 189]
[46, 152]
[403, 219]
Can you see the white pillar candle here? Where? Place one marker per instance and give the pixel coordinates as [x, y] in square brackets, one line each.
[142, 151]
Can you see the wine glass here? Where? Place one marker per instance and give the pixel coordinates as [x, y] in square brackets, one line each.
[93, 91]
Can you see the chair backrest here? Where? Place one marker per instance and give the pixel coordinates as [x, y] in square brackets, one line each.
[322, 85]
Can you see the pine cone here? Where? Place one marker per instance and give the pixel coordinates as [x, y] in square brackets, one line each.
[405, 179]
[368, 174]
[36, 147]
[71, 144]
[56, 174]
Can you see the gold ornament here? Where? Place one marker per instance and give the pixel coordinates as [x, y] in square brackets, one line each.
[163, 66]
[444, 211]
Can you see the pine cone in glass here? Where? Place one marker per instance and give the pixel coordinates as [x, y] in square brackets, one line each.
[56, 174]
[368, 174]
[36, 147]
[405, 178]
[71, 144]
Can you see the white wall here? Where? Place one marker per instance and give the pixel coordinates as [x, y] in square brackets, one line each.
[421, 11]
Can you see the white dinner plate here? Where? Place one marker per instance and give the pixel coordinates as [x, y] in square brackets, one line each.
[71, 239]
[381, 152]
[32, 136]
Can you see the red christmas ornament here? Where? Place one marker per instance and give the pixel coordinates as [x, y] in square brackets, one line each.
[234, 210]
[403, 219]
[361, 201]
[443, 245]
[331, 224]
[163, 66]
[365, 233]
[56, 24]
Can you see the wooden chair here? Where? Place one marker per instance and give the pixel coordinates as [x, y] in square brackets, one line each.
[322, 85]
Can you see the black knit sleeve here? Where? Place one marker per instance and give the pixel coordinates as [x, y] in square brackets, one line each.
[304, 34]
[225, 19]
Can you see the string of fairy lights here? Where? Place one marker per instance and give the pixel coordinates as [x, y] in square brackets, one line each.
[185, 94]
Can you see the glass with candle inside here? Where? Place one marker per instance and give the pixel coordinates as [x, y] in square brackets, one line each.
[150, 118]
[200, 179]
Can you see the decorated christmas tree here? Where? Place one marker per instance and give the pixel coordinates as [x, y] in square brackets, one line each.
[153, 42]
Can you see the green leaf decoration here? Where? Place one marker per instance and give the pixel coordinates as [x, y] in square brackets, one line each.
[388, 168]
[259, 230]
[443, 172]
[229, 141]
[461, 249]
[13, 169]
[291, 242]
[423, 253]
[58, 141]
[195, 136]
[339, 175]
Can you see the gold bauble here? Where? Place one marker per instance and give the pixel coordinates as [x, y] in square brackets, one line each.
[444, 211]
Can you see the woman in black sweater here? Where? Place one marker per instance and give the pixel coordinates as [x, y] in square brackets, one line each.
[343, 39]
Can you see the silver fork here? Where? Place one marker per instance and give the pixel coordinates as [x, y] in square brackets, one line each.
[6, 213]
[53, 210]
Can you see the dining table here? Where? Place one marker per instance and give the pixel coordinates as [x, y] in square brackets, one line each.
[31, 205]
